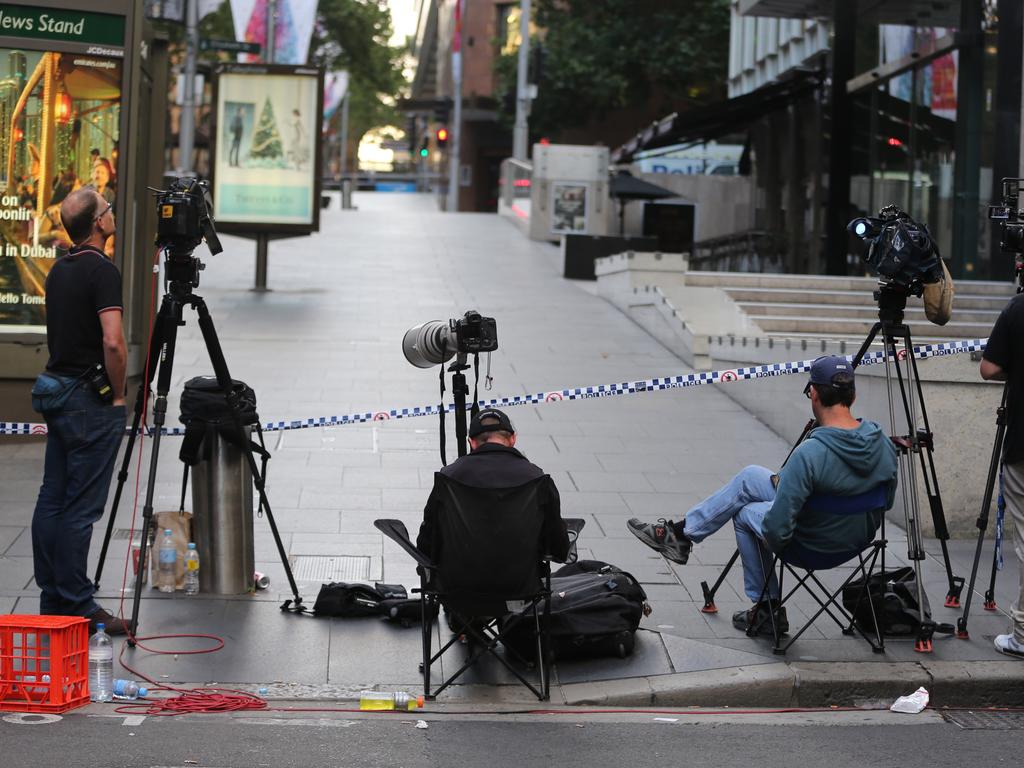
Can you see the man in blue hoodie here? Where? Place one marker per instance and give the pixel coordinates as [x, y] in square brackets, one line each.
[842, 456]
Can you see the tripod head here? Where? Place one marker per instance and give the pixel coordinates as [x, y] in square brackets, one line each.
[892, 300]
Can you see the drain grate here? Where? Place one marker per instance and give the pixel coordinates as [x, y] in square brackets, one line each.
[971, 720]
[325, 568]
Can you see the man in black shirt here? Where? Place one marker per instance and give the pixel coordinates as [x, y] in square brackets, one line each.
[83, 328]
[1004, 360]
[494, 462]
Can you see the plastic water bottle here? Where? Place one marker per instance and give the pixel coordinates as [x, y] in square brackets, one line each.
[385, 700]
[192, 570]
[166, 576]
[101, 665]
[129, 689]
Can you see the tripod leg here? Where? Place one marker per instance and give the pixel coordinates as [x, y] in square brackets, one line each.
[220, 369]
[867, 344]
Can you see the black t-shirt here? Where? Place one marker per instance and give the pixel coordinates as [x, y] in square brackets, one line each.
[1005, 348]
[80, 287]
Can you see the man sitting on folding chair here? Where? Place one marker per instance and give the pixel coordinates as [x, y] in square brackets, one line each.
[843, 456]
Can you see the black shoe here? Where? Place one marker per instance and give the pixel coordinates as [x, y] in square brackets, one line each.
[757, 617]
[111, 624]
[661, 536]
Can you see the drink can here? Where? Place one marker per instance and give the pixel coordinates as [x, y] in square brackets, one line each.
[261, 580]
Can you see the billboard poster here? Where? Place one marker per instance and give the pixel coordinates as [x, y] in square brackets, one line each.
[266, 159]
[59, 118]
[568, 208]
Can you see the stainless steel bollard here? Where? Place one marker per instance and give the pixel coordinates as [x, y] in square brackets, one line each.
[346, 194]
[222, 494]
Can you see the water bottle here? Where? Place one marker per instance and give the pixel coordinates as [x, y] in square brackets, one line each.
[129, 689]
[166, 576]
[192, 570]
[385, 700]
[101, 665]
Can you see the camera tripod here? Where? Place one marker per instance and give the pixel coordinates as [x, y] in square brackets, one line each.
[989, 603]
[892, 301]
[182, 278]
[460, 388]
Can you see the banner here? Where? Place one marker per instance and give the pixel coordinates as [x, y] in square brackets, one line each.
[335, 89]
[293, 28]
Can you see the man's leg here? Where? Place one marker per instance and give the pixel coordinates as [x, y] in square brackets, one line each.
[675, 540]
[749, 526]
[47, 521]
[1013, 476]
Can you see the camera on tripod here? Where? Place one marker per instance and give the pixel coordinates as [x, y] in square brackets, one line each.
[183, 222]
[900, 251]
[1008, 215]
[436, 342]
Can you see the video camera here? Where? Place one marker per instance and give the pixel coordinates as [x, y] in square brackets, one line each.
[899, 250]
[1008, 215]
[183, 222]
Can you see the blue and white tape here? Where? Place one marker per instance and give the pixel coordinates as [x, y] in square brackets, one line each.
[921, 352]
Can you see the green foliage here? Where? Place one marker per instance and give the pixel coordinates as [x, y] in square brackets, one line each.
[606, 55]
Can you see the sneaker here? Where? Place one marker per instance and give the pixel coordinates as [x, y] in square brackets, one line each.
[112, 624]
[661, 536]
[757, 616]
[1009, 645]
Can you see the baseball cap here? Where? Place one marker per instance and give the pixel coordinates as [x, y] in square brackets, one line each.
[499, 422]
[827, 368]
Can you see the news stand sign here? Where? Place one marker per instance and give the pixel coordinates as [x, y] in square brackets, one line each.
[266, 160]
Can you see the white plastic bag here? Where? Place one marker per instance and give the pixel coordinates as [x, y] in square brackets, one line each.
[912, 704]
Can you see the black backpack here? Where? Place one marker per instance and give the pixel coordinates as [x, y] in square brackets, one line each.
[894, 595]
[595, 611]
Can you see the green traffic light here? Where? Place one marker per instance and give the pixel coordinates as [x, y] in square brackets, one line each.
[424, 152]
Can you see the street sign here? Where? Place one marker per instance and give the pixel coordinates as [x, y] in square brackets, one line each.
[236, 46]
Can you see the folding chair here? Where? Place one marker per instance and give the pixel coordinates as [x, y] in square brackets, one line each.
[797, 557]
[489, 570]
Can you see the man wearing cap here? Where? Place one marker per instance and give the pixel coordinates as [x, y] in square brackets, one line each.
[842, 456]
[494, 462]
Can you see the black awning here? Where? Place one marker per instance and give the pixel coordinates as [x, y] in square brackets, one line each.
[716, 120]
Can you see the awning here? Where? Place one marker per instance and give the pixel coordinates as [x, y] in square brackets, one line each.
[716, 120]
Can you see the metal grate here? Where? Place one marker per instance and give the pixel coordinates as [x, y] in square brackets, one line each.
[971, 720]
[324, 568]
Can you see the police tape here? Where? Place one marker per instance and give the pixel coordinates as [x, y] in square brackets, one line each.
[921, 352]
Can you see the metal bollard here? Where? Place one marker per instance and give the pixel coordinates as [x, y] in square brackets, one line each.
[346, 194]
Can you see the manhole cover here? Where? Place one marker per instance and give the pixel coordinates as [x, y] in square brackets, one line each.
[970, 720]
[326, 568]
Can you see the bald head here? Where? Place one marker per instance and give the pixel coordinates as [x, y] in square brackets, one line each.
[78, 211]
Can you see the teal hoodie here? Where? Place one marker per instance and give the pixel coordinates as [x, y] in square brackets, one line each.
[836, 462]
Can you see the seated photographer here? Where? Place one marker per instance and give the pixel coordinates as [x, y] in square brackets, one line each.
[494, 462]
[843, 456]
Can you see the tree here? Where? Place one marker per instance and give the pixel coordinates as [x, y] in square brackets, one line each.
[607, 56]
[266, 139]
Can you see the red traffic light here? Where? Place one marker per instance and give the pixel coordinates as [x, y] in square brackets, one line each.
[442, 136]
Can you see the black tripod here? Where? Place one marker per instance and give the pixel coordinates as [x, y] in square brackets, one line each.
[183, 276]
[460, 388]
[986, 502]
[892, 301]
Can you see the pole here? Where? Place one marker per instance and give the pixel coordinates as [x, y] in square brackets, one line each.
[837, 210]
[271, 30]
[262, 239]
[343, 166]
[967, 141]
[521, 131]
[187, 124]
[453, 158]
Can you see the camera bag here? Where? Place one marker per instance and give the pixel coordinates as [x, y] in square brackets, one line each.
[894, 595]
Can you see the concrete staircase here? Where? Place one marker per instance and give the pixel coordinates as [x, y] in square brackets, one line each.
[811, 306]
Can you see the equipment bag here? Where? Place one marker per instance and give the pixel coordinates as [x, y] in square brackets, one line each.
[345, 600]
[894, 595]
[595, 611]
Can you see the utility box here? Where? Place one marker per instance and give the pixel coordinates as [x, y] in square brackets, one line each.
[568, 191]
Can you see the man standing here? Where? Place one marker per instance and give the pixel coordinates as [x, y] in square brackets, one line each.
[236, 137]
[842, 456]
[83, 328]
[494, 462]
[1003, 360]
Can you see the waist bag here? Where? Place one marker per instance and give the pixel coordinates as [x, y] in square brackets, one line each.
[894, 596]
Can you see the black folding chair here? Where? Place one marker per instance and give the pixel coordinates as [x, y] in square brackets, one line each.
[802, 564]
[490, 571]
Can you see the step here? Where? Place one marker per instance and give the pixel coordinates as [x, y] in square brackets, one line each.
[864, 313]
[828, 283]
[784, 323]
[858, 298]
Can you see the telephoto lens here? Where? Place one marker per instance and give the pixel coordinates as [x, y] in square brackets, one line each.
[429, 344]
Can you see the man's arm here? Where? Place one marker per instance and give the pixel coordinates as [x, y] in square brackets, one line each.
[995, 361]
[557, 536]
[115, 352]
[796, 483]
[992, 372]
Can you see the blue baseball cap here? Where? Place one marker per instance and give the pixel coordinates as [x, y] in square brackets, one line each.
[832, 371]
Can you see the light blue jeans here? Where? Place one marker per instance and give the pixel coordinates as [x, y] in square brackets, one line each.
[744, 500]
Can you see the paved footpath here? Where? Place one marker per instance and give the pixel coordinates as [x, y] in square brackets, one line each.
[327, 341]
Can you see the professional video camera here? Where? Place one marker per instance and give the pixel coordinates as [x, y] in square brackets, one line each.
[183, 222]
[436, 341]
[899, 250]
[1008, 215]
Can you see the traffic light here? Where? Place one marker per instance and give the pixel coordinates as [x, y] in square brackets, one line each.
[424, 150]
[442, 137]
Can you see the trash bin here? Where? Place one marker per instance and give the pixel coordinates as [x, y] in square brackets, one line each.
[222, 488]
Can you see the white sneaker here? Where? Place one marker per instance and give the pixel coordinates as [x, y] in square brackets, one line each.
[1009, 645]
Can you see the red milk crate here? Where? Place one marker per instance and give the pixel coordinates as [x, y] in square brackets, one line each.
[44, 663]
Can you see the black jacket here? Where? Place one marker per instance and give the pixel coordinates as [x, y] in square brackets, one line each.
[493, 465]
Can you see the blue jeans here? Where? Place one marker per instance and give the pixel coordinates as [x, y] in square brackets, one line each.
[80, 451]
[744, 500]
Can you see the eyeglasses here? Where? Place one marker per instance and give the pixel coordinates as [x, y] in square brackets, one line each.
[104, 211]
[807, 391]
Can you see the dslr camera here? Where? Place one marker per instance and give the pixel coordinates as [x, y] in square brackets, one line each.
[436, 341]
[1008, 216]
[183, 221]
